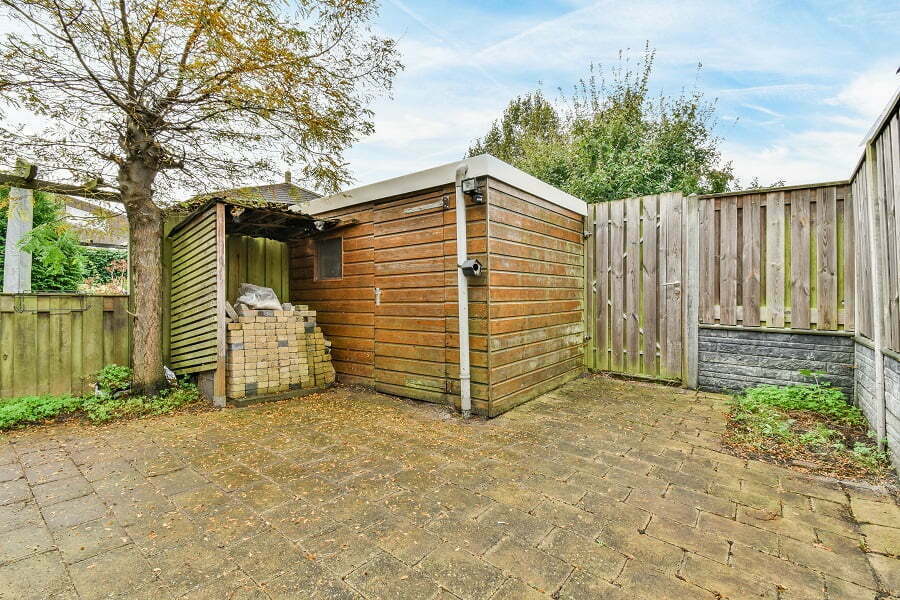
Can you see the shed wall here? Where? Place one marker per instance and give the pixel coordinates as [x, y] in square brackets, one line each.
[345, 307]
[536, 276]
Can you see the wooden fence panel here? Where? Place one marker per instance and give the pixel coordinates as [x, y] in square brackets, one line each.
[778, 259]
[672, 288]
[193, 294]
[638, 325]
[258, 261]
[53, 343]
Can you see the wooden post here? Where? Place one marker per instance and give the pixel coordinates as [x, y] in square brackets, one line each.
[875, 248]
[17, 262]
[691, 296]
[221, 283]
[590, 288]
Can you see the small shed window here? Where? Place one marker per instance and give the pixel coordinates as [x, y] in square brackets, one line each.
[329, 258]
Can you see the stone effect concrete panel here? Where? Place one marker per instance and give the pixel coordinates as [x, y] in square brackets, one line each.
[732, 360]
[865, 396]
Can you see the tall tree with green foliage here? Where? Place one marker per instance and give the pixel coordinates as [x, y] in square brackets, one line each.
[612, 138]
[58, 259]
[165, 96]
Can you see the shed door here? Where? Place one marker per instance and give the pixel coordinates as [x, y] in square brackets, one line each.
[410, 322]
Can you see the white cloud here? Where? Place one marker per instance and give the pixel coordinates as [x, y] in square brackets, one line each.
[804, 157]
[739, 36]
[869, 92]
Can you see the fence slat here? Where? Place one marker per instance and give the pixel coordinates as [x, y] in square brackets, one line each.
[849, 260]
[751, 252]
[602, 265]
[650, 288]
[617, 285]
[895, 161]
[632, 284]
[800, 271]
[707, 260]
[728, 262]
[775, 258]
[826, 245]
[892, 312]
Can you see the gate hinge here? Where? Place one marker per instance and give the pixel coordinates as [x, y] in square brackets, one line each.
[586, 234]
[588, 338]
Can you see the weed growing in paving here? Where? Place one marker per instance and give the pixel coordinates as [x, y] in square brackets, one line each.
[110, 401]
[812, 426]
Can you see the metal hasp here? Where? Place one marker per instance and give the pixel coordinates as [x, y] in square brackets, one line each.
[472, 268]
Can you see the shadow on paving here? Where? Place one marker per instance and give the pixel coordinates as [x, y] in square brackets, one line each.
[601, 489]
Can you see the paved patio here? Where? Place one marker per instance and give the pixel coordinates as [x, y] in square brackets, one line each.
[602, 489]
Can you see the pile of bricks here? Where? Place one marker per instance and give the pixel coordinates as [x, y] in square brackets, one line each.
[275, 352]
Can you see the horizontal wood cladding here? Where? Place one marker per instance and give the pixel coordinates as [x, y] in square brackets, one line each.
[416, 340]
[192, 312]
[525, 314]
[345, 307]
[536, 295]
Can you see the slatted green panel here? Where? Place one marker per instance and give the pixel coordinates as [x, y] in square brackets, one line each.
[191, 293]
[257, 261]
[53, 343]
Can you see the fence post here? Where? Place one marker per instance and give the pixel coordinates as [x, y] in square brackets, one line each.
[17, 262]
[876, 245]
[590, 288]
[219, 391]
[691, 288]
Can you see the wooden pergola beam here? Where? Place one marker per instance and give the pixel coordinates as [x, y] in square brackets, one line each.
[82, 191]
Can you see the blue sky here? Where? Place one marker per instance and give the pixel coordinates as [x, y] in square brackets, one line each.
[798, 83]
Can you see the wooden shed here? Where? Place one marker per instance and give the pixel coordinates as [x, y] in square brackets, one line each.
[385, 288]
[211, 246]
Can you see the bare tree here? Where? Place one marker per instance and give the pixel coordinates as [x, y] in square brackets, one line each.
[163, 96]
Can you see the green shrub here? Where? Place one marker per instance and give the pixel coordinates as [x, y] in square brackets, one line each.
[809, 422]
[111, 401]
[822, 399]
[17, 412]
[114, 378]
[869, 456]
[104, 407]
[102, 265]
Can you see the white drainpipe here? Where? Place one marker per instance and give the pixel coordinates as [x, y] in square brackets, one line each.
[462, 285]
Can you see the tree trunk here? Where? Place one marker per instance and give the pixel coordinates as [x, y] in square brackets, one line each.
[145, 224]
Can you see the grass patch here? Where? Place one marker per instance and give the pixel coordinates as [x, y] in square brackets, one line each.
[807, 426]
[111, 401]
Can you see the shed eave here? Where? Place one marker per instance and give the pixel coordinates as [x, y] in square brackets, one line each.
[479, 166]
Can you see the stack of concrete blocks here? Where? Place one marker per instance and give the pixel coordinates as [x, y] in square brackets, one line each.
[275, 352]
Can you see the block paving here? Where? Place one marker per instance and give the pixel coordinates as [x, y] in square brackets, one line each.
[601, 489]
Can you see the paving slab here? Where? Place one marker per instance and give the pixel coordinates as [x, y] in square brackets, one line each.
[603, 488]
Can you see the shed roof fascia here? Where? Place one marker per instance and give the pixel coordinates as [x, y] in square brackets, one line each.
[479, 166]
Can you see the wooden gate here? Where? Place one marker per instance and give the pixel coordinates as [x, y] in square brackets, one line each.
[638, 300]
[410, 321]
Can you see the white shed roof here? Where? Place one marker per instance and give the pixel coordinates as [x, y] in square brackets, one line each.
[479, 166]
